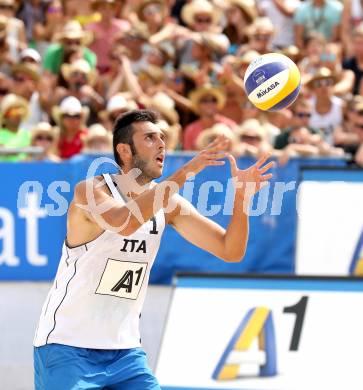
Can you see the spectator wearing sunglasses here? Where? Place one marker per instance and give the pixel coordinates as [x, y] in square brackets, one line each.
[301, 114]
[331, 58]
[27, 83]
[80, 79]
[252, 139]
[260, 34]
[327, 109]
[70, 39]
[44, 136]
[207, 101]
[71, 118]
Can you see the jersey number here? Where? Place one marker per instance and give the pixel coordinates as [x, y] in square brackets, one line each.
[127, 281]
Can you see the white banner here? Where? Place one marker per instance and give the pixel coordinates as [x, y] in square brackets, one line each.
[330, 222]
[263, 334]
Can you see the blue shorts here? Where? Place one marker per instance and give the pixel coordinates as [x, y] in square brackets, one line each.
[62, 367]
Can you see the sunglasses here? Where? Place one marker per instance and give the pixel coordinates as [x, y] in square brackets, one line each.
[3, 91]
[208, 100]
[360, 127]
[70, 116]
[201, 20]
[262, 37]
[48, 138]
[250, 138]
[6, 7]
[323, 83]
[302, 115]
[19, 79]
[72, 42]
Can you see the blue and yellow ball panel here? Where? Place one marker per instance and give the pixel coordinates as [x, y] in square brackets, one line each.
[272, 82]
[257, 324]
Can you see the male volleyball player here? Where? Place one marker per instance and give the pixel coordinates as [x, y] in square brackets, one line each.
[88, 333]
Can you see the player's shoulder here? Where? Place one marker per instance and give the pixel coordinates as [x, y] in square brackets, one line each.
[90, 185]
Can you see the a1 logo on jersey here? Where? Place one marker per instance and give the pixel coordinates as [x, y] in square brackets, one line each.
[122, 279]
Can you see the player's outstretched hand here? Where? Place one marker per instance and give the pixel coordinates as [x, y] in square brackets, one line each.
[252, 179]
[210, 156]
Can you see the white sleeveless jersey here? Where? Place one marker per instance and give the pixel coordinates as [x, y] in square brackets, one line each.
[99, 290]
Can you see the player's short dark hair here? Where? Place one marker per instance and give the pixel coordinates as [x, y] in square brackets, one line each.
[124, 129]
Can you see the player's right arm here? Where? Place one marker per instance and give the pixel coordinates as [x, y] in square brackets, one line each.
[94, 209]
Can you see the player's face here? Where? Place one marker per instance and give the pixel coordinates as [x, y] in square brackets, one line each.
[149, 143]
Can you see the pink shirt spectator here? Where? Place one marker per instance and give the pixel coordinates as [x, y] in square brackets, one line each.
[192, 131]
[102, 41]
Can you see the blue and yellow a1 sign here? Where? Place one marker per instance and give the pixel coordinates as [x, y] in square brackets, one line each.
[263, 334]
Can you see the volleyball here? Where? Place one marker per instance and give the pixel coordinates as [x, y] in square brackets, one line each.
[272, 82]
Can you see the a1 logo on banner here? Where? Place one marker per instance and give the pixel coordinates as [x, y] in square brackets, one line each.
[122, 279]
[258, 325]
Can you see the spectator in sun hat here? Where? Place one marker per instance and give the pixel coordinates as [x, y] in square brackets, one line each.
[327, 112]
[71, 119]
[209, 135]
[13, 110]
[206, 100]
[153, 14]
[70, 38]
[105, 31]
[44, 136]
[80, 79]
[27, 83]
[260, 34]
[164, 105]
[116, 106]
[97, 140]
[239, 14]
[202, 17]
[30, 55]
[252, 139]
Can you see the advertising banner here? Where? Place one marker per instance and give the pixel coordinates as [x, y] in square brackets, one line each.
[35, 197]
[330, 222]
[252, 333]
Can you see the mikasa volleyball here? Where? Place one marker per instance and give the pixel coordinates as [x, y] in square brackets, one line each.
[272, 82]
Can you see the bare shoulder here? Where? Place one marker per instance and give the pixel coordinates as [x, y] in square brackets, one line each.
[81, 226]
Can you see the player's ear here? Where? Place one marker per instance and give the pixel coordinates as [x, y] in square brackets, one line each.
[124, 151]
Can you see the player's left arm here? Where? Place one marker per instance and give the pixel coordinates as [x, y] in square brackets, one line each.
[227, 244]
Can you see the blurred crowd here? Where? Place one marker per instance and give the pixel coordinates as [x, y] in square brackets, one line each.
[69, 68]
